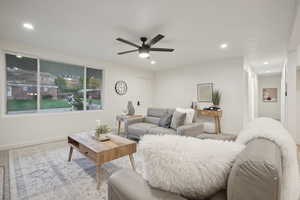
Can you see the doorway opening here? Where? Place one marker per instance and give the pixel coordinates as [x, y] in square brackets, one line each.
[269, 95]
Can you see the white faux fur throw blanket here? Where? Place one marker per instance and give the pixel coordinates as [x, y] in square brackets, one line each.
[273, 130]
[188, 166]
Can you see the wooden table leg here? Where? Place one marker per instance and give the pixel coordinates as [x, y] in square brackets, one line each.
[219, 125]
[216, 126]
[70, 153]
[132, 161]
[119, 127]
[98, 176]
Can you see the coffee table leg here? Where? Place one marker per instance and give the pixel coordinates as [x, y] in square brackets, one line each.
[132, 161]
[70, 153]
[98, 174]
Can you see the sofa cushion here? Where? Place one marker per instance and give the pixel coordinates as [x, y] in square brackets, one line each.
[152, 120]
[140, 129]
[156, 112]
[161, 131]
[256, 172]
[189, 114]
[165, 120]
[171, 110]
[177, 119]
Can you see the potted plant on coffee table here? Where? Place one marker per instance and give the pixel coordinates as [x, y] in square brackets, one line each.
[101, 132]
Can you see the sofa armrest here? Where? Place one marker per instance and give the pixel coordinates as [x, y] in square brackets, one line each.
[128, 122]
[256, 175]
[192, 130]
[128, 185]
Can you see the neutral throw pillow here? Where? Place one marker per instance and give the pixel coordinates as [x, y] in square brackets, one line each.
[189, 114]
[165, 120]
[177, 119]
[188, 166]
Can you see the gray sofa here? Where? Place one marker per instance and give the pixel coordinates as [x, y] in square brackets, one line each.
[137, 127]
[254, 176]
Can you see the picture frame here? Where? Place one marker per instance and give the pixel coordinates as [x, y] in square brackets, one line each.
[204, 92]
[270, 94]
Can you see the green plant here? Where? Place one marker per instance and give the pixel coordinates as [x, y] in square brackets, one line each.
[102, 129]
[78, 103]
[216, 97]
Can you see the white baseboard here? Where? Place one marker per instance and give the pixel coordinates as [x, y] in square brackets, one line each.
[35, 142]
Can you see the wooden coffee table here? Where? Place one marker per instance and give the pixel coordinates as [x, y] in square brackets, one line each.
[101, 152]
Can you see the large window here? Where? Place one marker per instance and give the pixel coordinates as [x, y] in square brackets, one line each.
[37, 85]
[61, 86]
[93, 88]
[21, 84]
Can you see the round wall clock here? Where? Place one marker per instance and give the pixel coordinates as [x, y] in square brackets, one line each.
[121, 87]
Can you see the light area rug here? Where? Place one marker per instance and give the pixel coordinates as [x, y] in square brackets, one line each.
[42, 172]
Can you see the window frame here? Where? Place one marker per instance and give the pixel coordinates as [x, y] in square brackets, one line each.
[38, 111]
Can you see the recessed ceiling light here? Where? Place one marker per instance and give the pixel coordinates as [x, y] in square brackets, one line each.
[153, 62]
[223, 46]
[28, 26]
[266, 63]
[268, 71]
[19, 56]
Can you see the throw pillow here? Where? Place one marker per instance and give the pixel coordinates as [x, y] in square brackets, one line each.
[165, 120]
[189, 114]
[188, 166]
[177, 119]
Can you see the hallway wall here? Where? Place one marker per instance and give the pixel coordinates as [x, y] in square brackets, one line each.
[269, 109]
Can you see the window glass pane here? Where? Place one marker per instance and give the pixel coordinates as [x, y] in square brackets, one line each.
[61, 86]
[93, 89]
[21, 73]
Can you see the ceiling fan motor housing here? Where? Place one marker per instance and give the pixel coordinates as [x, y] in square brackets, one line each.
[143, 39]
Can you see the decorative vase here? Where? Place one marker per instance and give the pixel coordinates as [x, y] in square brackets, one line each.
[130, 108]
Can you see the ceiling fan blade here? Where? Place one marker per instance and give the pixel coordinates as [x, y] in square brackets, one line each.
[127, 42]
[156, 39]
[161, 49]
[124, 52]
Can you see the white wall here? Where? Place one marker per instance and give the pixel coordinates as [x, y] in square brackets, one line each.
[283, 106]
[298, 105]
[35, 128]
[251, 95]
[291, 102]
[298, 97]
[177, 88]
[269, 109]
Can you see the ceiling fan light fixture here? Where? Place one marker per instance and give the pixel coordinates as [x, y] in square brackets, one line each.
[144, 55]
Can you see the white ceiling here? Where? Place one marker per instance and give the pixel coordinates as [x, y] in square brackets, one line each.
[257, 29]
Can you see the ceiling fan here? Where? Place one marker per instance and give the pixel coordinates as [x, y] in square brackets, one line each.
[145, 48]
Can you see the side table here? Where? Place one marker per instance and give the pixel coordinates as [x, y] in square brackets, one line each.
[122, 118]
[216, 114]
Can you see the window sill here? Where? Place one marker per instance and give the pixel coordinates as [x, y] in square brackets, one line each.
[49, 113]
